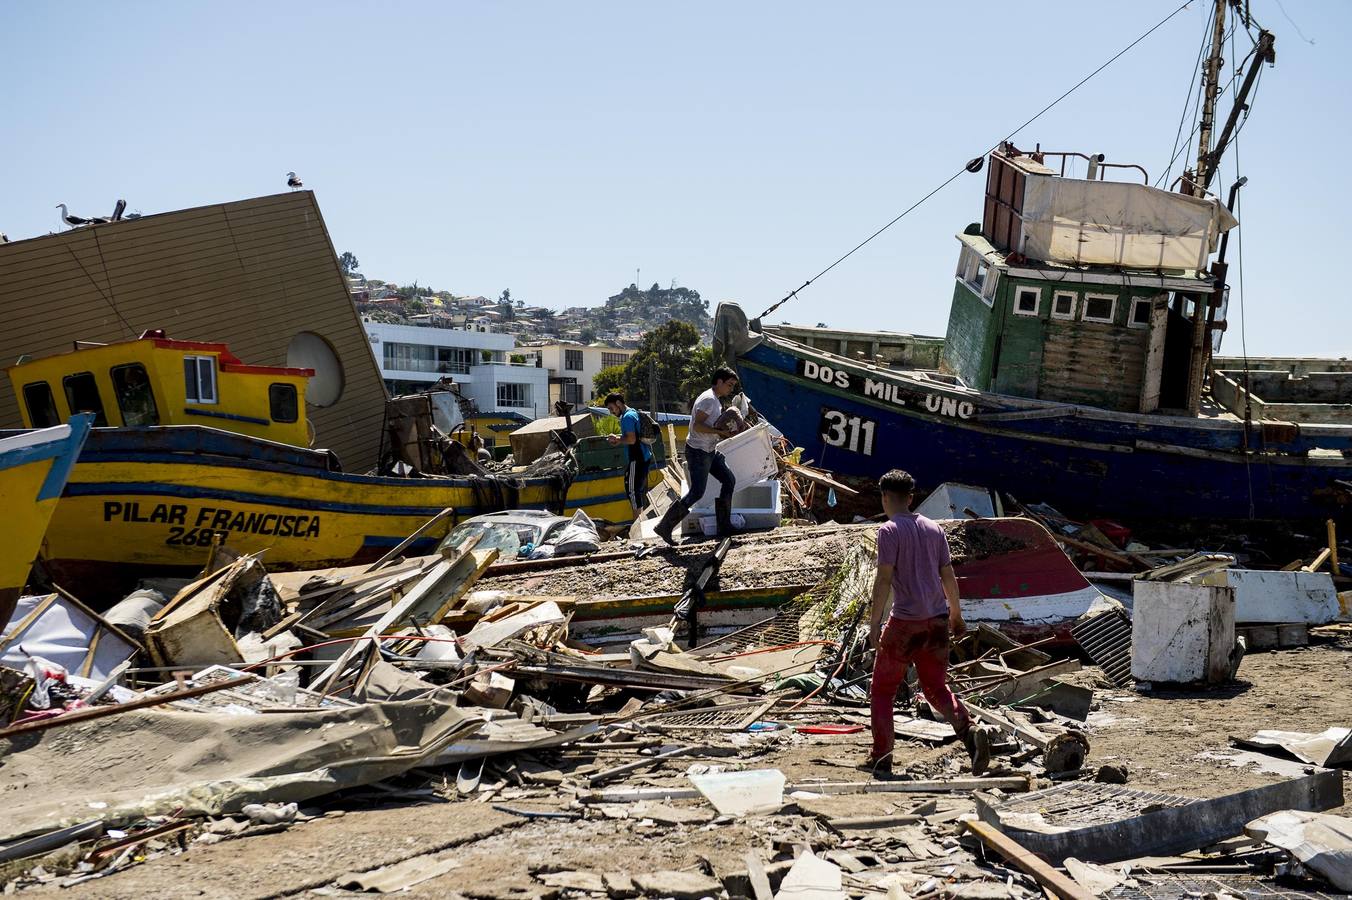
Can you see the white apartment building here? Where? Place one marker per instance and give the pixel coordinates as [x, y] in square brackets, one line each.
[573, 366]
[413, 357]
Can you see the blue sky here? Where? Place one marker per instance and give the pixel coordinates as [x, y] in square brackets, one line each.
[737, 149]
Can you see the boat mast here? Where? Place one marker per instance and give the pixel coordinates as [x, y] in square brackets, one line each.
[1208, 163]
[1211, 88]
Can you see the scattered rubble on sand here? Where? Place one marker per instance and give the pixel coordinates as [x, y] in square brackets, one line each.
[690, 722]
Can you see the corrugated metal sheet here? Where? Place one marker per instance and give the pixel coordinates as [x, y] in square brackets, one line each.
[252, 274]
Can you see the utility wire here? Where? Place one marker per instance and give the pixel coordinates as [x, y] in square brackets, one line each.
[1309, 41]
[954, 177]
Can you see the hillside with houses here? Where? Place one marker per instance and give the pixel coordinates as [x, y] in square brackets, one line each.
[621, 321]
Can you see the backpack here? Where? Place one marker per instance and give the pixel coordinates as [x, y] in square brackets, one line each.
[649, 432]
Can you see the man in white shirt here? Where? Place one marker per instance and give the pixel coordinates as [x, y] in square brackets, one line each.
[703, 459]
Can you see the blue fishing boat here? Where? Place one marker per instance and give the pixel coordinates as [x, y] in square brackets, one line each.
[1078, 365]
[34, 467]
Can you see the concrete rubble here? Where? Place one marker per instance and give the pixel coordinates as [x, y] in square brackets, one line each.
[683, 723]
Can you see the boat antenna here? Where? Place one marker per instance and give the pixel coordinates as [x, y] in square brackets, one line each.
[974, 164]
[1208, 157]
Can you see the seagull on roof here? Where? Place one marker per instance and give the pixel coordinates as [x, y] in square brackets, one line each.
[73, 220]
[4, 238]
[118, 210]
[293, 182]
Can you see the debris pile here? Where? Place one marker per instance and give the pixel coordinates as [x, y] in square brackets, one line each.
[712, 695]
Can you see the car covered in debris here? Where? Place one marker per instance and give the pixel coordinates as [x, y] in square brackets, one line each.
[508, 530]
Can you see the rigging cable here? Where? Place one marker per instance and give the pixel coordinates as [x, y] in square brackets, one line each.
[954, 177]
[1243, 333]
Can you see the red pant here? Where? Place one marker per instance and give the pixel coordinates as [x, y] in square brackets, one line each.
[924, 643]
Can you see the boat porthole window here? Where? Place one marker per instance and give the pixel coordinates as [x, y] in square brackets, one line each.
[282, 403]
[82, 396]
[1027, 301]
[1063, 305]
[310, 351]
[135, 399]
[199, 379]
[1099, 308]
[1140, 313]
[41, 404]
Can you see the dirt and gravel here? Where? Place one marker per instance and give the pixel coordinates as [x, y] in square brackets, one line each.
[1175, 742]
[785, 557]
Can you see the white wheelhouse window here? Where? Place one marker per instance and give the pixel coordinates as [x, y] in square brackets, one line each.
[1099, 308]
[988, 292]
[1027, 301]
[1141, 307]
[1063, 304]
[199, 379]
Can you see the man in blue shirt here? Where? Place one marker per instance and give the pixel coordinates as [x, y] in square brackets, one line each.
[640, 455]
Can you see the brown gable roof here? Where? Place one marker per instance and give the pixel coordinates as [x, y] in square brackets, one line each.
[251, 274]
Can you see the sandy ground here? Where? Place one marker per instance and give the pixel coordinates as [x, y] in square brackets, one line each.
[1169, 742]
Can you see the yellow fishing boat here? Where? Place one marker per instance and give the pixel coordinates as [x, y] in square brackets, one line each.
[33, 470]
[190, 443]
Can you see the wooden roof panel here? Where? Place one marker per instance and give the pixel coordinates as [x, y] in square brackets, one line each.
[251, 274]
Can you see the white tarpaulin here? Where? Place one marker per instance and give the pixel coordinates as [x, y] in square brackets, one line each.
[64, 632]
[1118, 224]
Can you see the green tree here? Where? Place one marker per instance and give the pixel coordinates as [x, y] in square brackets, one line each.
[698, 370]
[506, 296]
[588, 334]
[671, 360]
[415, 306]
[611, 378]
[348, 262]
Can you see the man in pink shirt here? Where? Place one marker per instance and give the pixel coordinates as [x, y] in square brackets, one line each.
[915, 569]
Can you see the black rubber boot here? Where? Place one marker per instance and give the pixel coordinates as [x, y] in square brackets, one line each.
[977, 740]
[723, 516]
[674, 514]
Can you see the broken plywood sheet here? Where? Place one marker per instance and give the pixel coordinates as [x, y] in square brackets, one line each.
[429, 600]
[1280, 597]
[189, 630]
[1321, 842]
[1330, 748]
[812, 878]
[492, 633]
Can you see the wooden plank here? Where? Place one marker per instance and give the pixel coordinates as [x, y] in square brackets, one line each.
[363, 600]
[396, 613]
[408, 541]
[1318, 560]
[459, 574]
[1060, 885]
[755, 873]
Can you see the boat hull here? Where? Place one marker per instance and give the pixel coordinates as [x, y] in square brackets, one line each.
[33, 471]
[861, 422]
[150, 501]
